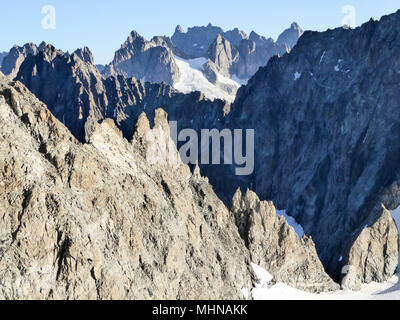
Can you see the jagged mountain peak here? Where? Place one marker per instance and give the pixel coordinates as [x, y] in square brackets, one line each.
[12, 62]
[144, 60]
[135, 39]
[42, 45]
[68, 200]
[85, 54]
[296, 26]
[179, 29]
[290, 36]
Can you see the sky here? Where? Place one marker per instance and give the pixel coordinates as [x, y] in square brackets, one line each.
[103, 25]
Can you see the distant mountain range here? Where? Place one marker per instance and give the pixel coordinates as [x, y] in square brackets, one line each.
[205, 59]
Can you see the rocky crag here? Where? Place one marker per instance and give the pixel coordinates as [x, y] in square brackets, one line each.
[276, 247]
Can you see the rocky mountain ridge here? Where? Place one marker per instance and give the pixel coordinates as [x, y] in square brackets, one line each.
[98, 221]
[15, 57]
[77, 94]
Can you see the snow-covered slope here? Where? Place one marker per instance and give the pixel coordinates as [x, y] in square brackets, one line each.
[389, 290]
[193, 79]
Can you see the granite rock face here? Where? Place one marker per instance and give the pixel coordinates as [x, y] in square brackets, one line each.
[143, 60]
[221, 56]
[373, 257]
[275, 246]
[98, 221]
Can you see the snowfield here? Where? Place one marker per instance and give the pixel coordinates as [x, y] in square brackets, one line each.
[193, 79]
[389, 290]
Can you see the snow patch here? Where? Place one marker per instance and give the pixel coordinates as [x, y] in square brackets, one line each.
[337, 69]
[297, 76]
[292, 222]
[193, 79]
[263, 275]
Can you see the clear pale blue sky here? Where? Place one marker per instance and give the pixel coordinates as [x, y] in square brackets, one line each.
[103, 25]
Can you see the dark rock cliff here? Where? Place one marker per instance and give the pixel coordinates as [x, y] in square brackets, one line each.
[326, 119]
